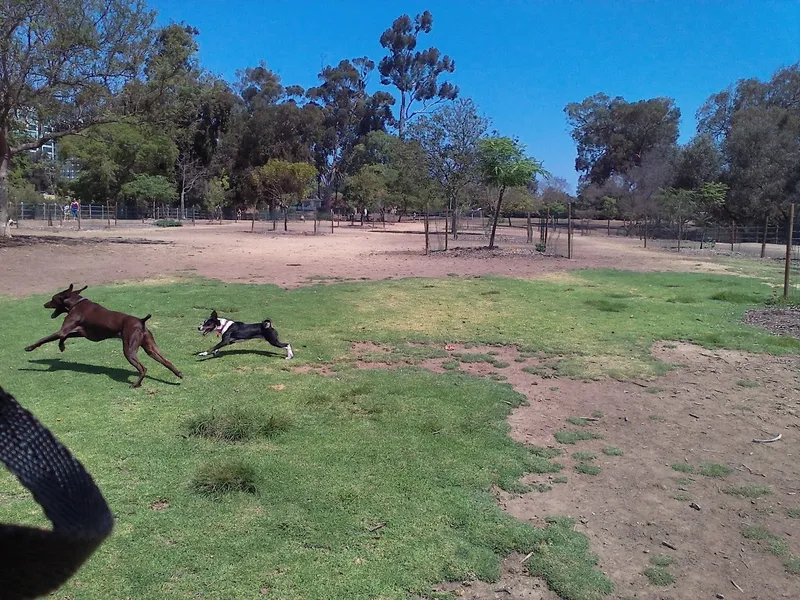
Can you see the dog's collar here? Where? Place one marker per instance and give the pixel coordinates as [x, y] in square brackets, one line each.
[78, 302]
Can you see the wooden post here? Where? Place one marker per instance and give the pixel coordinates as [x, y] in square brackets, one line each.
[427, 235]
[764, 239]
[788, 253]
[569, 230]
[446, 227]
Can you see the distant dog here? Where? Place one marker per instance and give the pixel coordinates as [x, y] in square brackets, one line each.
[235, 331]
[89, 320]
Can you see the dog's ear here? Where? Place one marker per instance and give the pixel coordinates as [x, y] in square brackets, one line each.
[69, 289]
[213, 314]
[80, 290]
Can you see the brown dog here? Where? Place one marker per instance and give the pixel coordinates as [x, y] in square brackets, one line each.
[91, 321]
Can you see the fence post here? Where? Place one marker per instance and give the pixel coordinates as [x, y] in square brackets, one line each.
[788, 252]
[569, 230]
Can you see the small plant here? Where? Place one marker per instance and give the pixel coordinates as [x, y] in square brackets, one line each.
[579, 421]
[683, 468]
[451, 365]
[793, 513]
[748, 491]
[714, 470]
[755, 532]
[681, 497]
[541, 247]
[235, 425]
[597, 415]
[654, 389]
[499, 364]
[792, 565]
[547, 453]
[541, 487]
[167, 223]
[659, 576]
[657, 418]
[561, 479]
[612, 451]
[224, 477]
[566, 436]
[587, 469]
[662, 560]
[584, 456]
[745, 383]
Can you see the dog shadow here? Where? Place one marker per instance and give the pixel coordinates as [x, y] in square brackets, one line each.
[223, 352]
[120, 375]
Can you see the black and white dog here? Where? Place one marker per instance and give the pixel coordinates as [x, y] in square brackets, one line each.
[235, 331]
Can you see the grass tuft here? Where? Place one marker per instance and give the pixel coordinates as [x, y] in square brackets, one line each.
[792, 565]
[659, 576]
[683, 467]
[661, 560]
[714, 470]
[224, 477]
[579, 421]
[748, 491]
[235, 424]
[584, 456]
[612, 451]
[587, 469]
[567, 436]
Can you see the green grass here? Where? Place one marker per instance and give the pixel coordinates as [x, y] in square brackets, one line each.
[747, 384]
[681, 497]
[560, 479]
[584, 456]
[661, 560]
[579, 421]
[566, 436]
[657, 418]
[418, 451]
[793, 513]
[714, 470]
[235, 424]
[775, 545]
[683, 467]
[659, 576]
[224, 477]
[792, 565]
[587, 469]
[612, 451]
[748, 491]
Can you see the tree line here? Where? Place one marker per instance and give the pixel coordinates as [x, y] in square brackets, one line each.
[131, 105]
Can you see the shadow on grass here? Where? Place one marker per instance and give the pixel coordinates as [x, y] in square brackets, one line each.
[121, 375]
[223, 352]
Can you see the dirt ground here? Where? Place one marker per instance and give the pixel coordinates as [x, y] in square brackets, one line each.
[42, 259]
[709, 409]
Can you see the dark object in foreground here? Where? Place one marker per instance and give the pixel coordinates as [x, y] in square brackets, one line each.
[89, 320]
[34, 562]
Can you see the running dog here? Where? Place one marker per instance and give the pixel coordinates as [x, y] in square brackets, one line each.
[233, 332]
[89, 320]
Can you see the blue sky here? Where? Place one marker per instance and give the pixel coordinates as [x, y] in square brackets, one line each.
[521, 61]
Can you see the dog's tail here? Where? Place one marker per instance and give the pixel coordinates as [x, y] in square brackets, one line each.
[144, 319]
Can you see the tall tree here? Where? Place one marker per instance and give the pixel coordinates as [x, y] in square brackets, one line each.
[415, 73]
[450, 139]
[613, 135]
[349, 113]
[504, 165]
[63, 65]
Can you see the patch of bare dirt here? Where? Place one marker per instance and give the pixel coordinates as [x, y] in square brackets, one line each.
[783, 321]
[707, 410]
[38, 257]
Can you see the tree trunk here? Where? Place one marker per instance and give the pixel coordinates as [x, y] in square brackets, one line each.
[645, 231]
[680, 232]
[445, 230]
[608, 226]
[733, 235]
[764, 239]
[546, 225]
[569, 230]
[253, 220]
[182, 216]
[286, 220]
[5, 158]
[496, 217]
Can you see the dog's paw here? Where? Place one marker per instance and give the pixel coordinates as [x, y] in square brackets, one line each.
[179, 375]
[205, 353]
[29, 348]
